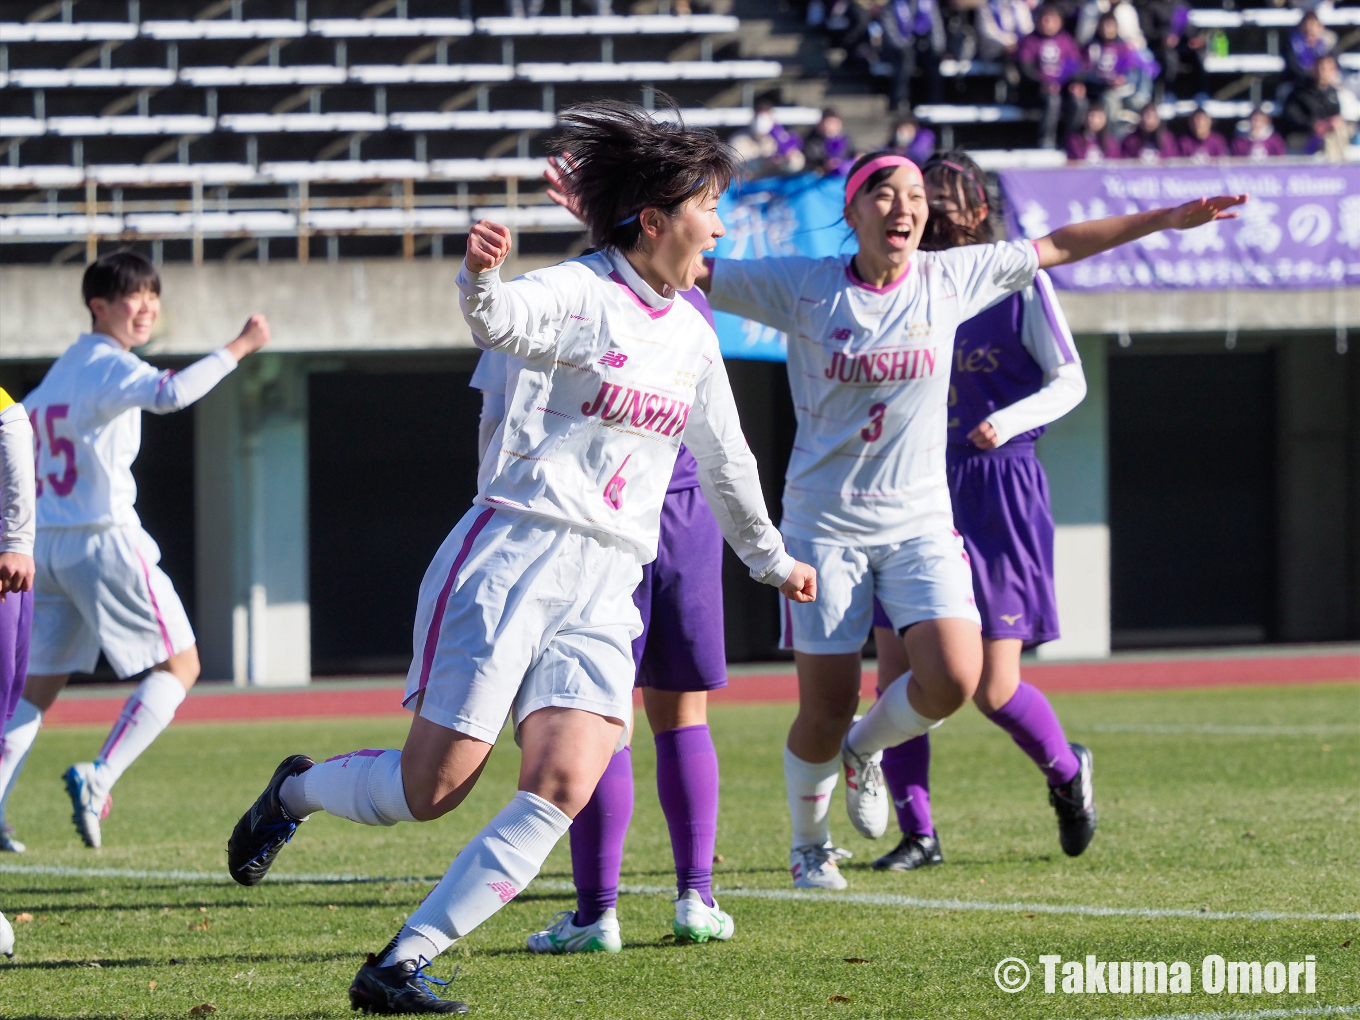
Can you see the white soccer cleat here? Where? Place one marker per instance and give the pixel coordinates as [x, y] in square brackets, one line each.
[696, 921]
[6, 937]
[866, 792]
[88, 808]
[563, 935]
[9, 843]
[815, 867]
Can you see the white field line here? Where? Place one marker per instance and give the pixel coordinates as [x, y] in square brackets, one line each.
[1259, 1014]
[787, 895]
[1215, 729]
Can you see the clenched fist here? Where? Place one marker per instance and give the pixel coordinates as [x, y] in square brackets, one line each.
[254, 335]
[801, 585]
[487, 247]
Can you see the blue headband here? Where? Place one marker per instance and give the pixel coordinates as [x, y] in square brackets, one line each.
[691, 191]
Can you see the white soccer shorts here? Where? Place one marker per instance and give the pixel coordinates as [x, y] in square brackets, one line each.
[518, 612]
[101, 588]
[925, 578]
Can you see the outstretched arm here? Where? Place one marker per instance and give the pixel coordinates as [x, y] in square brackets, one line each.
[518, 318]
[1082, 240]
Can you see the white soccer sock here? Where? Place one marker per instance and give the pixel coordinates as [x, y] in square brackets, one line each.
[810, 785]
[489, 872]
[363, 786]
[890, 721]
[14, 748]
[147, 711]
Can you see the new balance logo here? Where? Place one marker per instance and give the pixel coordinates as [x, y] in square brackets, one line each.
[842, 334]
[505, 890]
[614, 359]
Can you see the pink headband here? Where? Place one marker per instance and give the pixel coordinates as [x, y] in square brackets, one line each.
[862, 174]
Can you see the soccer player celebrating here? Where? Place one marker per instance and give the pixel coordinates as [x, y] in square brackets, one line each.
[97, 583]
[1015, 370]
[866, 497]
[17, 511]
[527, 609]
[680, 656]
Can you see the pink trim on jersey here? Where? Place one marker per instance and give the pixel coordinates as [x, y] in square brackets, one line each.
[853, 277]
[442, 602]
[165, 378]
[655, 313]
[1041, 287]
[155, 606]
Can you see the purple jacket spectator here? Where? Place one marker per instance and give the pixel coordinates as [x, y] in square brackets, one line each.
[1150, 148]
[1109, 62]
[1259, 148]
[1051, 60]
[1213, 147]
[1088, 146]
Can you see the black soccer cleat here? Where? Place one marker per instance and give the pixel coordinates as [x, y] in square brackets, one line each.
[915, 851]
[263, 830]
[1075, 803]
[399, 988]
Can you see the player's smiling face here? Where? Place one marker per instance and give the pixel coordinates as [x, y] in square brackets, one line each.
[674, 246]
[888, 218]
[128, 319]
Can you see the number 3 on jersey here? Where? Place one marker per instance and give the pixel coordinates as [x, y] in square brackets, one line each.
[57, 446]
[875, 427]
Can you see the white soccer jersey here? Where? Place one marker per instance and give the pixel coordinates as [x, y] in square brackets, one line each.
[869, 369]
[610, 377]
[87, 420]
[17, 512]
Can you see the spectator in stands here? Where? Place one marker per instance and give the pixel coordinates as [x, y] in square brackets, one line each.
[1116, 74]
[1176, 45]
[1001, 24]
[1312, 120]
[844, 21]
[913, 33]
[1202, 143]
[960, 32]
[1260, 140]
[1130, 26]
[1309, 41]
[909, 138]
[767, 148]
[1150, 142]
[1050, 64]
[828, 148]
[1095, 142]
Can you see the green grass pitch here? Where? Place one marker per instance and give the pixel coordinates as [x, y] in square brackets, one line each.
[1227, 800]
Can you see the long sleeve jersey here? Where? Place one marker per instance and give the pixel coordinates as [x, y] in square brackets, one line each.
[87, 420]
[869, 369]
[610, 378]
[18, 515]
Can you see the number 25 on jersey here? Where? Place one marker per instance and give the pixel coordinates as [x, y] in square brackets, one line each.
[57, 447]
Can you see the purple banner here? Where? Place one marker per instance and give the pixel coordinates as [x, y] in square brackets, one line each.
[1300, 229]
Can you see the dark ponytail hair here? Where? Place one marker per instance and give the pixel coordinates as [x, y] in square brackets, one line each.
[958, 176]
[624, 160]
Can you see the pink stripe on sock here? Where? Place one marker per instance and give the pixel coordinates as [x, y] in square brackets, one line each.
[117, 734]
[441, 603]
[367, 752]
[155, 606]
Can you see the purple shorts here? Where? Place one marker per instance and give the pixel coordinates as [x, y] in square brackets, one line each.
[681, 647]
[1001, 507]
[16, 621]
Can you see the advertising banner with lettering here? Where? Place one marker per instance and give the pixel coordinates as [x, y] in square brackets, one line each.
[1300, 229]
[777, 216]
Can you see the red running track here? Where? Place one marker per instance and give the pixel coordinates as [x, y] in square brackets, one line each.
[213, 703]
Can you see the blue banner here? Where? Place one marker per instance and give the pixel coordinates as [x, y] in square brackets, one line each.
[777, 216]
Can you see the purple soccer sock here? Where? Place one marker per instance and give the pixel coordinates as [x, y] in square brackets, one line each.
[597, 835]
[1029, 719]
[906, 768]
[687, 784]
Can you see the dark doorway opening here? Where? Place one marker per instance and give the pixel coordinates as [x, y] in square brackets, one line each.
[1192, 499]
[392, 467]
